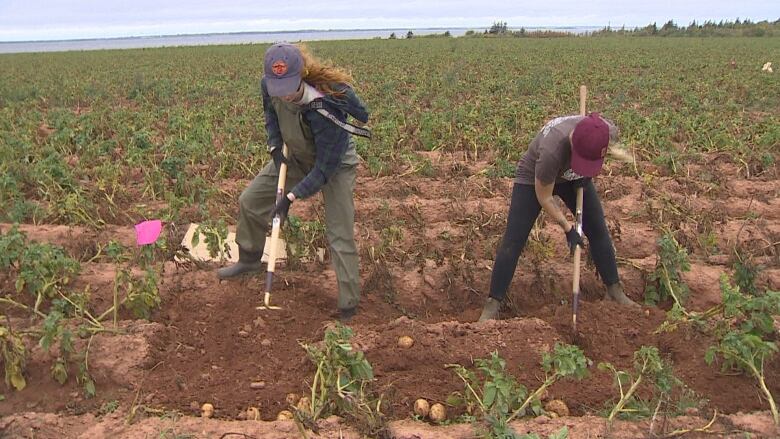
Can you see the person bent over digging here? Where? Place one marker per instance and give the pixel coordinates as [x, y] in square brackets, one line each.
[565, 154]
[306, 104]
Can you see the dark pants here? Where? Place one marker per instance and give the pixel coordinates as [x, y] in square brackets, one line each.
[523, 211]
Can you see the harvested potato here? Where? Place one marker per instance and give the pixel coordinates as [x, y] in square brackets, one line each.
[284, 415]
[421, 408]
[304, 404]
[207, 410]
[405, 342]
[253, 414]
[292, 399]
[438, 413]
[558, 407]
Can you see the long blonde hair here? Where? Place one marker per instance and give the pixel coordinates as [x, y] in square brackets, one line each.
[620, 152]
[323, 75]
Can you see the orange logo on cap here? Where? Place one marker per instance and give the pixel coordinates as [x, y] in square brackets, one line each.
[279, 68]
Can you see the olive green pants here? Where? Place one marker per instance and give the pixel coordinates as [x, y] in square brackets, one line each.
[258, 199]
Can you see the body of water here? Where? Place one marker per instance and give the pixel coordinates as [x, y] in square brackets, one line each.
[237, 38]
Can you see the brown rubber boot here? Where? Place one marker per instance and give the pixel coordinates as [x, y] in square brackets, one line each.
[615, 293]
[490, 311]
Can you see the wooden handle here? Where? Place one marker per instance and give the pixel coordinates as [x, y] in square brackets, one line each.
[578, 224]
[276, 221]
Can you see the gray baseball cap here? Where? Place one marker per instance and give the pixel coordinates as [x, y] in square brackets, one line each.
[282, 69]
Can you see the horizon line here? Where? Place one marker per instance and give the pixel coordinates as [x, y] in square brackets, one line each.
[132, 37]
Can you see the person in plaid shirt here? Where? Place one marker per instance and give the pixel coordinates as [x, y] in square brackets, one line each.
[306, 104]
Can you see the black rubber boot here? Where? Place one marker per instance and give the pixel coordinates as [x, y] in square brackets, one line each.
[248, 262]
[490, 311]
[615, 293]
[346, 314]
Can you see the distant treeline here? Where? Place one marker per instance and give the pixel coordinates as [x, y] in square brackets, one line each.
[744, 28]
[411, 34]
[737, 28]
[501, 29]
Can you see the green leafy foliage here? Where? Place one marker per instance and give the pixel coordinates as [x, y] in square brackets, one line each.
[304, 238]
[341, 383]
[42, 269]
[745, 272]
[750, 314]
[177, 123]
[86, 380]
[666, 281]
[563, 433]
[565, 361]
[495, 397]
[648, 367]
[747, 334]
[56, 332]
[215, 235]
[491, 393]
[108, 407]
[115, 251]
[12, 245]
[141, 294]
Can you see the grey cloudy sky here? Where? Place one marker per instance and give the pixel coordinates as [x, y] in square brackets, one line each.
[59, 19]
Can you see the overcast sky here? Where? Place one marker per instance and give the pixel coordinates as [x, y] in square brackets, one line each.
[59, 19]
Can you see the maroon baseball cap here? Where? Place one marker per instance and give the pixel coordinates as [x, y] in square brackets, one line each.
[282, 69]
[589, 143]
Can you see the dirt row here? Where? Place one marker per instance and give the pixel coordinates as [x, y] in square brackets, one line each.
[46, 425]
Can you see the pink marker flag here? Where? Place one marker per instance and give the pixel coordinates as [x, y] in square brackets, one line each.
[147, 232]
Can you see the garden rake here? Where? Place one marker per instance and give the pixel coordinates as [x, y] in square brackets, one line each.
[276, 226]
[578, 225]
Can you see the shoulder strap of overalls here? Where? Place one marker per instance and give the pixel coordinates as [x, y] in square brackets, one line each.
[317, 106]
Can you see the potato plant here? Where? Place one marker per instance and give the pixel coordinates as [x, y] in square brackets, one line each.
[14, 357]
[491, 393]
[140, 295]
[41, 269]
[496, 398]
[648, 367]
[341, 384]
[743, 327]
[745, 336]
[564, 362]
[304, 238]
[215, 236]
[44, 271]
[746, 352]
[666, 281]
[745, 273]
[56, 331]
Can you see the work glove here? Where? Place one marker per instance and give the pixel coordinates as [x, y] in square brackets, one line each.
[281, 208]
[581, 182]
[574, 239]
[278, 157]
